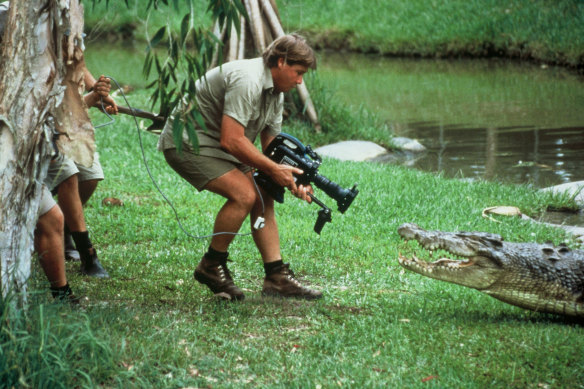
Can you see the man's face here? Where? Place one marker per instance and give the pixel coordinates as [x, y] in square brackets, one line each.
[287, 77]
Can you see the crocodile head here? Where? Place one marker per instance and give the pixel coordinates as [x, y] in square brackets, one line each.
[479, 268]
[540, 277]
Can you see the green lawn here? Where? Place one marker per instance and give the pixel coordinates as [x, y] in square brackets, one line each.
[152, 325]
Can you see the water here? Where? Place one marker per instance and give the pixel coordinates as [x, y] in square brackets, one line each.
[480, 119]
[496, 120]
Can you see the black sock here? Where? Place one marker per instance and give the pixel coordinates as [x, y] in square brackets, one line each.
[271, 266]
[61, 292]
[82, 242]
[215, 255]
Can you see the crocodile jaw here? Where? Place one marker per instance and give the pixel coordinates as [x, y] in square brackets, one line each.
[474, 272]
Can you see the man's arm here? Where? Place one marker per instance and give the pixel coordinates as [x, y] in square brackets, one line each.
[233, 141]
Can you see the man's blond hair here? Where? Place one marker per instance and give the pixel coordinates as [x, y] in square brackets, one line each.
[293, 48]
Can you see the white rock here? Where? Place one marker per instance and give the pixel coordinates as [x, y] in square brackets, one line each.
[407, 144]
[352, 150]
[571, 188]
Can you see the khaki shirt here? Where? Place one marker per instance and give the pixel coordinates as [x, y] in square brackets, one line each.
[242, 90]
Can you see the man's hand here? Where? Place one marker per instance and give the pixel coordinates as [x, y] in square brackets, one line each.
[302, 192]
[103, 87]
[100, 92]
[284, 176]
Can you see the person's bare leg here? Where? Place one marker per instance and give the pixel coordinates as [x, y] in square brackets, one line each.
[212, 270]
[280, 280]
[49, 246]
[86, 189]
[70, 203]
[238, 191]
[267, 239]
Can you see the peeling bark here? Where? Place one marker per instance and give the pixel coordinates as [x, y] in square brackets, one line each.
[32, 70]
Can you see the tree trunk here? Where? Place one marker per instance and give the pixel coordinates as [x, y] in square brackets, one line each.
[32, 69]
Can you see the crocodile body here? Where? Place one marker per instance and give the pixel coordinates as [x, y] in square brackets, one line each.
[539, 277]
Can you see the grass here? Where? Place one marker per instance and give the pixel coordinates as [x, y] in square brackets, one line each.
[152, 325]
[550, 32]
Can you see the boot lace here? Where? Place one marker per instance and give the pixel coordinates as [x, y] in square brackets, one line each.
[290, 275]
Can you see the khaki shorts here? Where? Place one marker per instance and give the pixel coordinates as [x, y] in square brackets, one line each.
[62, 167]
[47, 202]
[198, 170]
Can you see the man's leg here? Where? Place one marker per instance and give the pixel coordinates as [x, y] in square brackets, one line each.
[267, 239]
[86, 189]
[70, 203]
[280, 280]
[240, 195]
[49, 247]
[212, 269]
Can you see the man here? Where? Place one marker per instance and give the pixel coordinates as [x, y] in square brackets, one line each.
[238, 101]
[74, 184]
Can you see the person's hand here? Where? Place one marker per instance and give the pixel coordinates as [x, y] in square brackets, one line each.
[101, 90]
[302, 192]
[110, 105]
[102, 86]
[283, 175]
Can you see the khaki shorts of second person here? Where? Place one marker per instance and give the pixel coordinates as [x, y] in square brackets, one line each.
[62, 167]
[198, 170]
[47, 202]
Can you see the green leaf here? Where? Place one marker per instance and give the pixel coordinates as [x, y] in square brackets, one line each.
[177, 130]
[241, 8]
[184, 29]
[192, 136]
[147, 65]
[158, 36]
[199, 119]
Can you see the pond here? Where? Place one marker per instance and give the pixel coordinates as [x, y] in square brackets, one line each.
[479, 119]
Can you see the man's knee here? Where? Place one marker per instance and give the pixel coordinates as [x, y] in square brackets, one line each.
[52, 222]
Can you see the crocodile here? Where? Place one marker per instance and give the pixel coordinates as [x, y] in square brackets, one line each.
[538, 277]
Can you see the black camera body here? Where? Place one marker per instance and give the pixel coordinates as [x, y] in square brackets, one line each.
[288, 150]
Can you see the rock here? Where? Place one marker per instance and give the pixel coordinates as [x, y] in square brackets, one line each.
[572, 189]
[407, 144]
[360, 150]
[352, 150]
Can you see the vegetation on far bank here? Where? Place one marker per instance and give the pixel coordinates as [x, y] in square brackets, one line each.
[540, 30]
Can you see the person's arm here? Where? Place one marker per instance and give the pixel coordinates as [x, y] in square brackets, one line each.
[233, 141]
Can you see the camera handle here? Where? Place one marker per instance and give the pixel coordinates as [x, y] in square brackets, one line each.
[324, 215]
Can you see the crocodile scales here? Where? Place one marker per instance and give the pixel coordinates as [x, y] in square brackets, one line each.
[538, 277]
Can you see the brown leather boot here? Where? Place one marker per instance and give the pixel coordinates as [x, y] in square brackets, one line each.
[217, 277]
[282, 283]
[90, 265]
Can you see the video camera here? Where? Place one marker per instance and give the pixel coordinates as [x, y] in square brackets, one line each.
[286, 149]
